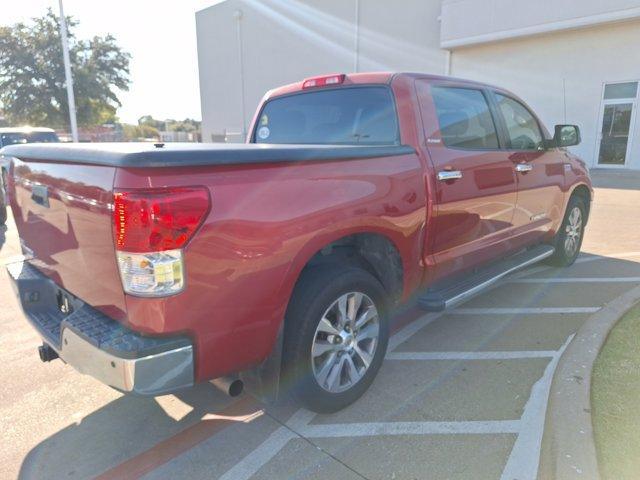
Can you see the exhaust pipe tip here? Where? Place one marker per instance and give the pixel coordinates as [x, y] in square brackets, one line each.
[231, 386]
[236, 388]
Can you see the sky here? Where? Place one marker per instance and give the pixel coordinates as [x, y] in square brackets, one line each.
[160, 35]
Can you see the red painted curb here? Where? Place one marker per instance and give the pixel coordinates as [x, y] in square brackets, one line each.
[242, 410]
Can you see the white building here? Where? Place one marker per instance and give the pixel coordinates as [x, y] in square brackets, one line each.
[573, 61]
[173, 136]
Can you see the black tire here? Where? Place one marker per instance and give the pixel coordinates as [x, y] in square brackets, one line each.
[565, 256]
[318, 289]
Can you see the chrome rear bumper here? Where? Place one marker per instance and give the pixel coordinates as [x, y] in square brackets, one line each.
[97, 345]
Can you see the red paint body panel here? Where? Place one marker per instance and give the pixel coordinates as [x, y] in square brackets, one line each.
[244, 261]
[267, 220]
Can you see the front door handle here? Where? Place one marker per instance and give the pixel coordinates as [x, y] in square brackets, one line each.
[446, 175]
[524, 167]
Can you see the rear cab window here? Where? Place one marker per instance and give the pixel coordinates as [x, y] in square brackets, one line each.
[465, 118]
[363, 115]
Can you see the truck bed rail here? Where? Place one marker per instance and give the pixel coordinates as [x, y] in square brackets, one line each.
[185, 154]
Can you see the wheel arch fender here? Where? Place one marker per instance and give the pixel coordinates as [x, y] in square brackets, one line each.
[585, 192]
[263, 381]
[375, 238]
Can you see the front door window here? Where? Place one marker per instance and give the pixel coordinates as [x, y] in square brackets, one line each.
[617, 122]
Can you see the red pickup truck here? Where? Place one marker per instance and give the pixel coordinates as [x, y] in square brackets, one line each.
[279, 261]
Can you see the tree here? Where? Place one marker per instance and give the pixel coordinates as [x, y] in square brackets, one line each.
[32, 81]
[149, 121]
[147, 131]
[186, 125]
[138, 132]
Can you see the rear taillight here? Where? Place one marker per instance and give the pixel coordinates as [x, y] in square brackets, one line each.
[150, 228]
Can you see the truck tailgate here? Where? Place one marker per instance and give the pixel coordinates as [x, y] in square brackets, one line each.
[63, 212]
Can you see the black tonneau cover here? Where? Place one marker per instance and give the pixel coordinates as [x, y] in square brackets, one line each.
[194, 154]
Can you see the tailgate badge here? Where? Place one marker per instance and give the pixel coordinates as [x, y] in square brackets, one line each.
[40, 195]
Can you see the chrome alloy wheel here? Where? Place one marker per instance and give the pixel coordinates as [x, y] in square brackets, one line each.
[345, 342]
[573, 232]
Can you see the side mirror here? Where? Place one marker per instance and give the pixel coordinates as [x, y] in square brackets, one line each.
[566, 136]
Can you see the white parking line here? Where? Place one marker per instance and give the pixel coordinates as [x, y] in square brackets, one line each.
[270, 447]
[615, 256]
[250, 464]
[405, 333]
[577, 280]
[410, 428]
[582, 259]
[516, 311]
[470, 355]
[524, 459]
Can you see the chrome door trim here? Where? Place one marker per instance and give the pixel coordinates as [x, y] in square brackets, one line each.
[524, 167]
[446, 175]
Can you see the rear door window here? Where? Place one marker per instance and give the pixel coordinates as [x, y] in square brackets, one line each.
[523, 130]
[343, 116]
[465, 118]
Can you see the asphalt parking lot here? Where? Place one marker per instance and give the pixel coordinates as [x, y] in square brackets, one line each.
[461, 395]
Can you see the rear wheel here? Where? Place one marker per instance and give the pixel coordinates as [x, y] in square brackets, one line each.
[568, 240]
[336, 336]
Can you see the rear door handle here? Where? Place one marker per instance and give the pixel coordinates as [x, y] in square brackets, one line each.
[524, 167]
[446, 175]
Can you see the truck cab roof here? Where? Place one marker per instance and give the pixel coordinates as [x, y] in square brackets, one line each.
[368, 78]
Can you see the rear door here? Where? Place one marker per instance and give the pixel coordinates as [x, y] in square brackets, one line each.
[539, 171]
[475, 179]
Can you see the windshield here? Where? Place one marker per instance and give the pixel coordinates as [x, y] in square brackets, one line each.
[27, 137]
[344, 116]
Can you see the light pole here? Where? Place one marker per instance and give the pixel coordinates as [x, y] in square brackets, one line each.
[238, 16]
[67, 73]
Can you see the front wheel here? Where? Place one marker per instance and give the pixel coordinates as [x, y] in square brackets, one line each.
[568, 240]
[336, 336]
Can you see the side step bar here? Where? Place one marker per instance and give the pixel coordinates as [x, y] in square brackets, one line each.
[448, 296]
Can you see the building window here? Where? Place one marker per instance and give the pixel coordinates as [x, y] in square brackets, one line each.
[620, 90]
[616, 123]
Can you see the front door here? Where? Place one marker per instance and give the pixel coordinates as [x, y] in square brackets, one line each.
[617, 120]
[540, 172]
[474, 179]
